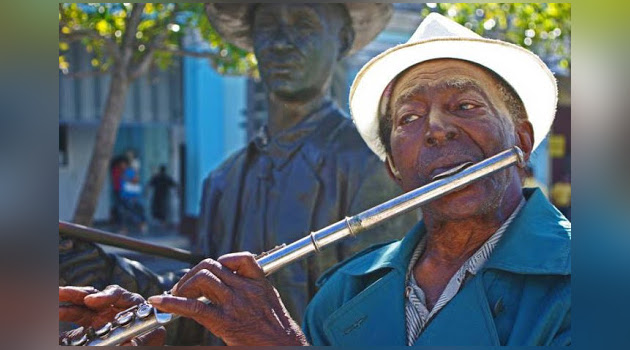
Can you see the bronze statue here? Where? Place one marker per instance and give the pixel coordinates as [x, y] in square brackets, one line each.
[307, 168]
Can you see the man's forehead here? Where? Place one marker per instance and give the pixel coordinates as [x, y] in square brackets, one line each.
[442, 74]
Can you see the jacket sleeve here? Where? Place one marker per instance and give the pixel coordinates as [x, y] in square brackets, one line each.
[84, 263]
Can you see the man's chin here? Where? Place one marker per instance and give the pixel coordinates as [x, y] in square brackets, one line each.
[463, 203]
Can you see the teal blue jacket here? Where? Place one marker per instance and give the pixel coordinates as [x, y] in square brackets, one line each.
[521, 296]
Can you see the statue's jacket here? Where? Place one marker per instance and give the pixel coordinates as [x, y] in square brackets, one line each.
[521, 296]
[279, 189]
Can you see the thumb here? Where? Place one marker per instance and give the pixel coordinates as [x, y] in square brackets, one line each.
[243, 263]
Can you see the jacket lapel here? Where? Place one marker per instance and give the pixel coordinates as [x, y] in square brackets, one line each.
[374, 317]
[465, 320]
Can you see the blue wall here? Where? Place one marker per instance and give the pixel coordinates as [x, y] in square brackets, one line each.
[213, 106]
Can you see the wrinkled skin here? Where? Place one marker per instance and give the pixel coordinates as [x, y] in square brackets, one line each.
[246, 309]
[89, 307]
[446, 112]
[436, 126]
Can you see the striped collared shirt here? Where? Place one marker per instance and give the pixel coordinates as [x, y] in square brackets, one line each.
[416, 313]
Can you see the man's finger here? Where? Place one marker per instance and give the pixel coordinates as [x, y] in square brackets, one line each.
[226, 275]
[190, 308]
[76, 314]
[243, 263]
[74, 294]
[154, 338]
[71, 334]
[112, 296]
[206, 284]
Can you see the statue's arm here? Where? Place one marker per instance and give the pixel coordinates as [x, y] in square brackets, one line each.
[83, 263]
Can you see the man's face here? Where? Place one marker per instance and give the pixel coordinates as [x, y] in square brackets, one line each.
[296, 46]
[444, 113]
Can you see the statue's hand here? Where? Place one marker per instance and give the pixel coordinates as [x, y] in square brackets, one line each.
[245, 310]
[82, 263]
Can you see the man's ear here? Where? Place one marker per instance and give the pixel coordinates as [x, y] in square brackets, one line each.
[392, 171]
[525, 138]
[346, 38]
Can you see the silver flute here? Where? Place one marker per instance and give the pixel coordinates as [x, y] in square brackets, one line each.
[144, 317]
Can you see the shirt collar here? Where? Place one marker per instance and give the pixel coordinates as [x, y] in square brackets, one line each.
[488, 246]
[536, 242]
[282, 146]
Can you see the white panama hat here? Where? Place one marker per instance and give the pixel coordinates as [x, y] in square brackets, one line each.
[440, 37]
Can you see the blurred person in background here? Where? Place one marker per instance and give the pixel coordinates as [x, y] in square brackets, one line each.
[161, 183]
[117, 169]
[133, 211]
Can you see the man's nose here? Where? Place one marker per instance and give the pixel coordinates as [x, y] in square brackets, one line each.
[439, 130]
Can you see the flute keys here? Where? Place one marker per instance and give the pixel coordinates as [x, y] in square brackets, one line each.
[125, 319]
[144, 310]
[79, 342]
[103, 331]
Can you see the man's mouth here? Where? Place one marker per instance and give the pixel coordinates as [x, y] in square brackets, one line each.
[452, 171]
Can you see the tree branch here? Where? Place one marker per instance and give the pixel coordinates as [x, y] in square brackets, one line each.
[158, 40]
[131, 26]
[75, 35]
[147, 59]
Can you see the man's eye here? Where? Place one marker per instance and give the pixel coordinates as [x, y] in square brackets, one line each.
[408, 119]
[467, 106]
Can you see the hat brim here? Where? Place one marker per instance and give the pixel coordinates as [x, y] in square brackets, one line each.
[524, 71]
[233, 21]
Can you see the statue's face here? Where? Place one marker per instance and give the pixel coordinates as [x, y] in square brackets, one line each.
[297, 46]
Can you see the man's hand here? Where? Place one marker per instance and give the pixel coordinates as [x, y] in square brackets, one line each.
[245, 310]
[89, 307]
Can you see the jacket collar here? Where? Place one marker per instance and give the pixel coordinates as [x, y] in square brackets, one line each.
[536, 242]
[283, 146]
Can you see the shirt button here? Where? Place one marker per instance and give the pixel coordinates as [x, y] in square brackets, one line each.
[407, 291]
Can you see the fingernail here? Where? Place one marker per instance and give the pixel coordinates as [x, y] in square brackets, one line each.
[155, 300]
